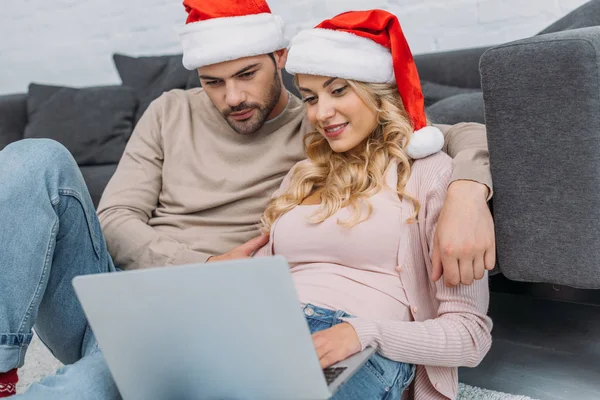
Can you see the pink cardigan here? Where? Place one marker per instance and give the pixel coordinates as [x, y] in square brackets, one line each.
[450, 327]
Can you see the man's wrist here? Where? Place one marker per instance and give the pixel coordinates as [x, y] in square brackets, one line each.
[465, 187]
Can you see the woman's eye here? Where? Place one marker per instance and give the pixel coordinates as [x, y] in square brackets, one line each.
[309, 100]
[340, 90]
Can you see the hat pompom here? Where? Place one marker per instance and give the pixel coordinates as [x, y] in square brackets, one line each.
[425, 142]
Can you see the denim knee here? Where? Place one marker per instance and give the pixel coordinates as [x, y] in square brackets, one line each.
[32, 163]
[34, 155]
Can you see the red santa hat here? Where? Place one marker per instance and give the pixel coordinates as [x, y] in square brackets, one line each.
[225, 30]
[368, 46]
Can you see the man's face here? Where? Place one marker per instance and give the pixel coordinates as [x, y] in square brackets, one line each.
[245, 90]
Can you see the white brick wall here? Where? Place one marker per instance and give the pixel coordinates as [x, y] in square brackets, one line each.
[70, 42]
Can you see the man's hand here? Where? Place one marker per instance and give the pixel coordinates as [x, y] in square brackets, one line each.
[243, 251]
[464, 242]
[336, 344]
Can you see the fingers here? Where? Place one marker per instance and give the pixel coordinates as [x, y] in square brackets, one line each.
[334, 344]
[328, 353]
[478, 267]
[466, 271]
[451, 268]
[329, 359]
[462, 267]
[253, 245]
[319, 341]
[490, 257]
[436, 262]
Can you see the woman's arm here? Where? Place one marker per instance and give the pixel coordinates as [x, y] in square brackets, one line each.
[460, 335]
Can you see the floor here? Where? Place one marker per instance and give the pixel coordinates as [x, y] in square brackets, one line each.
[543, 348]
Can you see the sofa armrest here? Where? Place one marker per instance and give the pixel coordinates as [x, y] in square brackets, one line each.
[542, 103]
[13, 118]
[458, 68]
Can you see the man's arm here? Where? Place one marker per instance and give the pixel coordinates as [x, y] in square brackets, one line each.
[464, 244]
[131, 197]
[466, 143]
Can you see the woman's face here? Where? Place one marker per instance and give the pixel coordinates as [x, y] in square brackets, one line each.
[336, 111]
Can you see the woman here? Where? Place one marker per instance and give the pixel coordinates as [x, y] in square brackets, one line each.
[356, 219]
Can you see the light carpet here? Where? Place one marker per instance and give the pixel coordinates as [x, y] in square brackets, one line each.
[40, 363]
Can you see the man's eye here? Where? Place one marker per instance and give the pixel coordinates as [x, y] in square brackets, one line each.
[310, 100]
[247, 74]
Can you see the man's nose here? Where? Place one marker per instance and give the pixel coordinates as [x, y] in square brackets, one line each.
[234, 95]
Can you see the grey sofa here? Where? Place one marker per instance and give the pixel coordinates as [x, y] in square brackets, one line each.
[542, 109]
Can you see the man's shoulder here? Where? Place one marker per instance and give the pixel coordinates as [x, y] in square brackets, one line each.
[182, 97]
[466, 127]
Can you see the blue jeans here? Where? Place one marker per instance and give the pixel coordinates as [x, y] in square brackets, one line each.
[380, 378]
[49, 233]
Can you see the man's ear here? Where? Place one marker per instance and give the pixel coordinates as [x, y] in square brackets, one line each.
[281, 58]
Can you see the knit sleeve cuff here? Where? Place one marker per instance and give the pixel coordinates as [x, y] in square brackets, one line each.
[367, 331]
[468, 170]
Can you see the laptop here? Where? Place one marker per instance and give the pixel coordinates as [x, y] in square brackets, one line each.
[223, 330]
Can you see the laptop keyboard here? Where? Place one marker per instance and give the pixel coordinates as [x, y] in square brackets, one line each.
[333, 372]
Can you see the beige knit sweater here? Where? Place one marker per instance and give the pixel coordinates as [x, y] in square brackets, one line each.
[188, 186]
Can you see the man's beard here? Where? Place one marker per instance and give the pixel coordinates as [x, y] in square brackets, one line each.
[258, 119]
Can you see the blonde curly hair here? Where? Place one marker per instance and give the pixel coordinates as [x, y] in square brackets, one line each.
[349, 179]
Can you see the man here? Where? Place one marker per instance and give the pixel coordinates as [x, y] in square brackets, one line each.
[193, 182]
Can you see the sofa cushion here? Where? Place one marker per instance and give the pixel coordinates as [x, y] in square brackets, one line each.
[467, 107]
[151, 76]
[434, 92]
[288, 82]
[96, 178]
[193, 81]
[13, 118]
[93, 123]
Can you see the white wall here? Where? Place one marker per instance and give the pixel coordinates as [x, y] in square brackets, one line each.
[70, 42]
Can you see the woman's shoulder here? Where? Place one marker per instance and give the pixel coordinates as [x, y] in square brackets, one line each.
[304, 162]
[300, 164]
[436, 163]
[429, 173]
[285, 184]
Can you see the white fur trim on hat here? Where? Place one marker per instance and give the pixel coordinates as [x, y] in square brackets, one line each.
[339, 54]
[229, 38]
[425, 142]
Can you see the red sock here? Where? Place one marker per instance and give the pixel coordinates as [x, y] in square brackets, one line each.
[8, 383]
